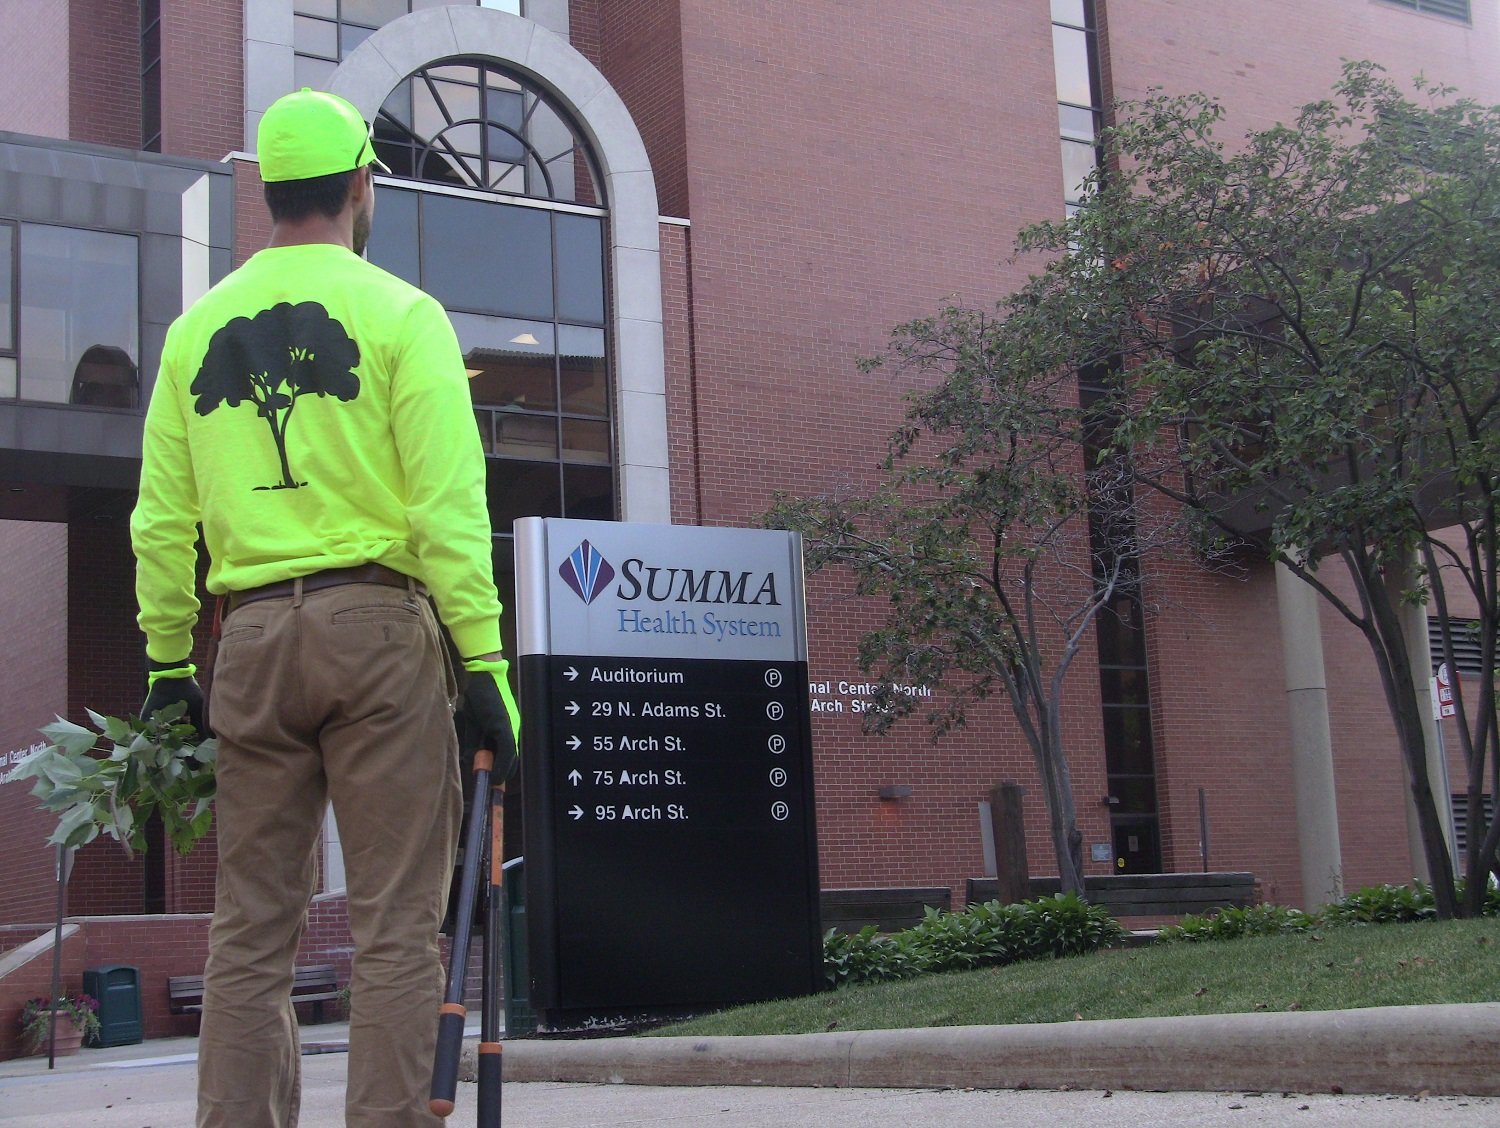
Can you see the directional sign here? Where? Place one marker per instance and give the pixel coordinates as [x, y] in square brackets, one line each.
[671, 853]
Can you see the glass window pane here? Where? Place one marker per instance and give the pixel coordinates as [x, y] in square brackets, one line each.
[316, 73]
[7, 377]
[521, 489]
[351, 37]
[1076, 122]
[531, 437]
[327, 8]
[585, 382]
[7, 267]
[1127, 739]
[580, 268]
[461, 100]
[1121, 639]
[585, 441]
[505, 148]
[1068, 12]
[486, 422]
[589, 493]
[511, 6]
[511, 363]
[315, 37]
[487, 258]
[1123, 687]
[1078, 160]
[393, 234]
[398, 104]
[373, 13]
[1137, 795]
[1071, 58]
[80, 321]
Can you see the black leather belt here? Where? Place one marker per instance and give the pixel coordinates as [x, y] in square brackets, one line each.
[332, 577]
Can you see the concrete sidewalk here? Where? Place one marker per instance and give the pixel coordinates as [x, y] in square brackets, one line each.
[1387, 1050]
[1224, 1072]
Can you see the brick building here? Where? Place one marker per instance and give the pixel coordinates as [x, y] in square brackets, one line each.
[666, 231]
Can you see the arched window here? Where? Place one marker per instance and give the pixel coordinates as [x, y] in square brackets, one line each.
[502, 228]
[470, 123]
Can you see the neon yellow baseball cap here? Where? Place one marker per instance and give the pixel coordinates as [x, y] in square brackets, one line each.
[313, 133]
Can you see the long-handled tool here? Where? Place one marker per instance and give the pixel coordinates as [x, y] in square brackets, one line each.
[491, 1021]
[452, 1013]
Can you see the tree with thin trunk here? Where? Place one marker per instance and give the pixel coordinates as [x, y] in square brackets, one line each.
[1304, 328]
[1000, 532]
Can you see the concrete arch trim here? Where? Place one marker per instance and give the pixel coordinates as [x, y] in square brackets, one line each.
[406, 45]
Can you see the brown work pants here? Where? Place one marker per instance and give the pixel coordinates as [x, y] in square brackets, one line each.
[341, 694]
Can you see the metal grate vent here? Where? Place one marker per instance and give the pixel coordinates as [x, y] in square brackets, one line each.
[1452, 9]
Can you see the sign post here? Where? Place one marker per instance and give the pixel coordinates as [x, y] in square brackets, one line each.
[671, 858]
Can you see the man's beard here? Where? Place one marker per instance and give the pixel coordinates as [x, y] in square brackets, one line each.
[361, 232]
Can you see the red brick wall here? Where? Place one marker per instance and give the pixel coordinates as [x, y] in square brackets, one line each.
[252, 222]
[32, 693]
[104, 80]
[106, 663]
[33, 979]
[1265, 59]
[202, 77]
[637, 44]
[838, 188]
[35, 64]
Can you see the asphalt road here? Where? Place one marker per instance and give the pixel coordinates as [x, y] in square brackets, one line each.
[154, 1094]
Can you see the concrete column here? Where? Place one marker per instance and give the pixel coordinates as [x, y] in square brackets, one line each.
[1419, 648]
[1312, 745]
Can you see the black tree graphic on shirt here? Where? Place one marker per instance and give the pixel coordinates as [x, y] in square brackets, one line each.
[274, 359]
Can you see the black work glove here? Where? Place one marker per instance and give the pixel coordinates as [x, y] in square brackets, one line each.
[171, 691]
[484, 720]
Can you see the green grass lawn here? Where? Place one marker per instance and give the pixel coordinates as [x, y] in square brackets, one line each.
[1332, 969]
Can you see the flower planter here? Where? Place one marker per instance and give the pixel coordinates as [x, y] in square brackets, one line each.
[69, 1038]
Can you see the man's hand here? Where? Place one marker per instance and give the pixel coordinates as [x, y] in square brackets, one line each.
[173, 683]
[489, 718]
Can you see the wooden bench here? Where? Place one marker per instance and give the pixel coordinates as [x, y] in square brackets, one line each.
[889, 910]
[316, 985]
[1144, 894]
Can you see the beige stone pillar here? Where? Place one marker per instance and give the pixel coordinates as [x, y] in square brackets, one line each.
[1312, 744]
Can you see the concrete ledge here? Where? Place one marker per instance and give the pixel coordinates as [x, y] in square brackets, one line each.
[1437, 1049]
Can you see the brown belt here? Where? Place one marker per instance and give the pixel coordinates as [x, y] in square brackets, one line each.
[332, 577]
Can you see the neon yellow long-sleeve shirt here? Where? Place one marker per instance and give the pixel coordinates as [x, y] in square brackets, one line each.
[312, 412]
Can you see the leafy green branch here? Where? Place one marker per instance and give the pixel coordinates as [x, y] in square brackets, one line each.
[112, 780]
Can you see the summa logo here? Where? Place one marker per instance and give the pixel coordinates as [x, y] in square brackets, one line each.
[586, 572]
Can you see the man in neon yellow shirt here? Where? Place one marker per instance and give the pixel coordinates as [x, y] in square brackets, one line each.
[312, 413]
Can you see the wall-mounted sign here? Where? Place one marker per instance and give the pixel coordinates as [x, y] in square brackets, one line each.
[671, 856]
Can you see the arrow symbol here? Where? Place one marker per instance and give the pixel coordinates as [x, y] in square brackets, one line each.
[576, 812]
[574, 777]
[573, 742]
[571, 674]
[572, 708]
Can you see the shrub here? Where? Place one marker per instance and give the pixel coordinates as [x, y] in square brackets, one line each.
[1232, 923]
[1383, 904]
[982, 935]
[867, 957]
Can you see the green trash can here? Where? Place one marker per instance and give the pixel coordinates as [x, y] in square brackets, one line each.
[520, 1019]
[118, 989]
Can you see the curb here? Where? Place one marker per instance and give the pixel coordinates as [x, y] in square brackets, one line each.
[1448, 1049]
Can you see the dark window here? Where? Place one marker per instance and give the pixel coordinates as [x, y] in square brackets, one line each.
[479, 257]
[1453, 9]
[151, 75]
[580, 269]
[79, 331]
[7, 310]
